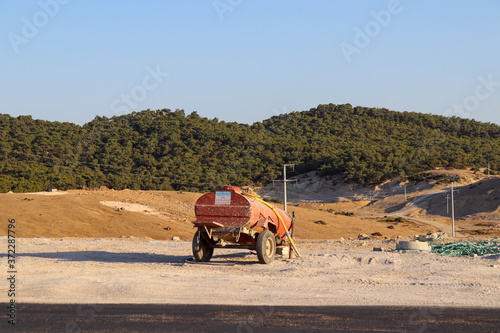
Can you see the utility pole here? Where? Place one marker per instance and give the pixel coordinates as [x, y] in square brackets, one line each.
[452, 213]
[488, 169]
[284, 183]
[447, 204]
[405, 193]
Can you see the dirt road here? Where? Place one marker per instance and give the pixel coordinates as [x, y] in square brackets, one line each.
[99, 271]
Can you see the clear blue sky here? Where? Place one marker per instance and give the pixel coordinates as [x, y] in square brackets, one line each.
[247, 60]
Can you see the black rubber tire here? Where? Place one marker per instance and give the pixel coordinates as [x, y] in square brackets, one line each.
[202, 251]
[266, 247]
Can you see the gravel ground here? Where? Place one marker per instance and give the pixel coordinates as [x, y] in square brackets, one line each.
[144, 271]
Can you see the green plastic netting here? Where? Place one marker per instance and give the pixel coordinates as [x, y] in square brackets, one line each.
[489, 246]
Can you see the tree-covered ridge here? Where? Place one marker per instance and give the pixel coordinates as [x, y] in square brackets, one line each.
[168, 150]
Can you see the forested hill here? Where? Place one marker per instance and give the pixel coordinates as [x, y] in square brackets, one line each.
[170, 150]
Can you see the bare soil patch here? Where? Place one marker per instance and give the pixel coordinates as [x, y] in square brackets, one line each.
[108, 246]
[162, 215]
[97, 271]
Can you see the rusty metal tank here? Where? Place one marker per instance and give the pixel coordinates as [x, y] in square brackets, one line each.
[231, 208]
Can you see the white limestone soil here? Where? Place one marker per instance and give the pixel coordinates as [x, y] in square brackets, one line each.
[131, 270]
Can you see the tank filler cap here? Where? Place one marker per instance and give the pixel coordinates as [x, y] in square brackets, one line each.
[232, 188]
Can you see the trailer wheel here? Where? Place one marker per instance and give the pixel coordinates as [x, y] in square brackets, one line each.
[266, 247]
[202, 251]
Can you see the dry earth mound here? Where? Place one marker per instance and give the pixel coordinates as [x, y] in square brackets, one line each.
[163, 215]
[326, 208]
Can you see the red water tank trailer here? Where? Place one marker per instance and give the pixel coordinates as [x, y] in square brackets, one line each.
[228, 218]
